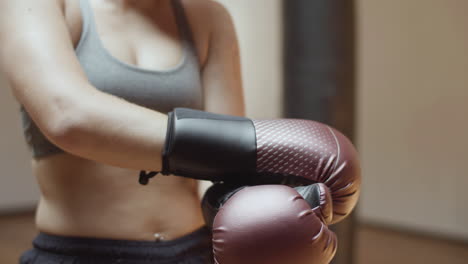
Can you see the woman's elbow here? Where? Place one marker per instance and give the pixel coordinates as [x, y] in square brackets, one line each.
[64, 128]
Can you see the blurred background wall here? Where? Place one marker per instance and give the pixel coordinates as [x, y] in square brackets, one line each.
[258, 24]
[18, 189]
[413, 114]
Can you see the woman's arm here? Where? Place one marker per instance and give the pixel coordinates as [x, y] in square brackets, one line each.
[38, 59]
[222, 81]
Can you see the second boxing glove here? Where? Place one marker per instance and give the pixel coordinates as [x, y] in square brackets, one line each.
[271, 224]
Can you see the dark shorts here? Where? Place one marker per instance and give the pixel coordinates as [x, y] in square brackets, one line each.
[194, 248]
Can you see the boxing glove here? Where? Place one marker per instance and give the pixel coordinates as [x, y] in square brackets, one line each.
[270, 224]
[295, 152]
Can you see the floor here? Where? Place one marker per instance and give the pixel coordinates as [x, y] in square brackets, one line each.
[374, 245]
[16, 233]
[377, 245]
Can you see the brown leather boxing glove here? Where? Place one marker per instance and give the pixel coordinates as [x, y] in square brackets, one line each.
[271, 224]
[233, 149]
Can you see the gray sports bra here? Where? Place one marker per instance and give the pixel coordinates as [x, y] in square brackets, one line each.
[162, 90]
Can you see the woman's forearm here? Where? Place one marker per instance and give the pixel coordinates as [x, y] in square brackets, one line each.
[108, 129]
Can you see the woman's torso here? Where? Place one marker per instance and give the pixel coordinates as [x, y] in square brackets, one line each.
[83, 198]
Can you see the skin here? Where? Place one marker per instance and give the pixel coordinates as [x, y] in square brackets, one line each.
[92, 190]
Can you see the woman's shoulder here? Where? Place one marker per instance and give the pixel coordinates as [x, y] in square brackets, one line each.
[205, 17]
[210, 10]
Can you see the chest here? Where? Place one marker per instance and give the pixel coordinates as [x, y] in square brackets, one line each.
[149, 41]
[130, 55]
[136, 40]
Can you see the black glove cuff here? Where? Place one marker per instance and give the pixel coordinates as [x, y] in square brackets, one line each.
[209, 146]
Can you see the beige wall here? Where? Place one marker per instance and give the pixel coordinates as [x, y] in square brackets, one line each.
[259, 28]
[17, 185]
[413, 113]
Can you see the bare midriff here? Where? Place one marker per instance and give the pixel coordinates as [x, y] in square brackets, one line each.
[83, 198]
